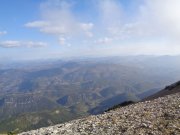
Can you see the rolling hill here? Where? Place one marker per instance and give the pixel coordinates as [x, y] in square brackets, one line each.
[76, 88]
[159, 116]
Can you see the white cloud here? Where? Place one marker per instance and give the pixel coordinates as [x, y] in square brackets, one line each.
[87, 27]
[110, 12]
[113, 23]
[37, 24]
[148, 48]
[163, 17]
[62, 41]
[34, 44]
[3, 33]
[58, 20]
[104, 40]
[14, 44]
[10, 44]
[153, 19]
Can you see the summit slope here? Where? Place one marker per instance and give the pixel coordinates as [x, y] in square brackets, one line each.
[160, 116]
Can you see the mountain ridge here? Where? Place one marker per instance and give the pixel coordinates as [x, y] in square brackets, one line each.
[155, 116]
[171, 89]
[78, 87]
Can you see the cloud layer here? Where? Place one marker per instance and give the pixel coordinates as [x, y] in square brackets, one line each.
[58, 20]
[151, 19]
[15, 44]
[103, 27]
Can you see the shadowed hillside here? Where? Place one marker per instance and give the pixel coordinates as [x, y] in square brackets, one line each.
[157, 116]
[171, 89]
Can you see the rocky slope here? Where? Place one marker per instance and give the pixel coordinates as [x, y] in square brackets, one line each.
[171, 89]
[160, 116]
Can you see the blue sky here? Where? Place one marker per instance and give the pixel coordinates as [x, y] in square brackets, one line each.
[40, 29]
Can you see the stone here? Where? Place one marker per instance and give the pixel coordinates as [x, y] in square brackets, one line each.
[157, 117]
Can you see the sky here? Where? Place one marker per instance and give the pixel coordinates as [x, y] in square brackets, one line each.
[41, 29]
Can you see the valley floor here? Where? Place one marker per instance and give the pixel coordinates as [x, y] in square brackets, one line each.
[157, 117]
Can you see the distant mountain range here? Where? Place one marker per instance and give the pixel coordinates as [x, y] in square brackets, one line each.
[171, 89]
[55, 91]
[168, 90]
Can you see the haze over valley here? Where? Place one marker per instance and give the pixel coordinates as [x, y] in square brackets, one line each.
[54, 91]
[62, 60]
